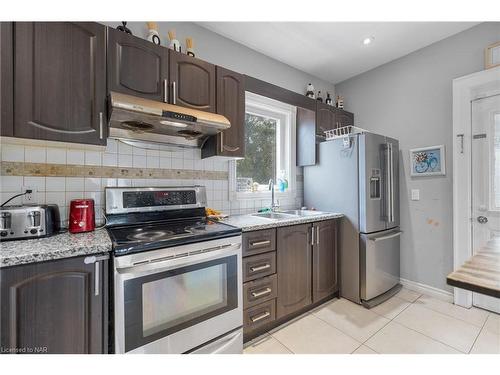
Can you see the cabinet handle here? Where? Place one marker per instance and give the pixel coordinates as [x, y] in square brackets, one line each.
[260, 243]
[260, 268]
[317, 235]
[174, 93]
[261, 293]
[97, 287]
[101, 126]
[260, 317]
[165, 91]
[96, 260]
[312, 235]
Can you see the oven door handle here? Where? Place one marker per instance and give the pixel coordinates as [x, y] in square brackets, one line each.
[156, 265]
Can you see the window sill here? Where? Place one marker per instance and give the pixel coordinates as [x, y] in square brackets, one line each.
[263, 195]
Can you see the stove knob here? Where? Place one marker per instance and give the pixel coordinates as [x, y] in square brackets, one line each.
[4, 233]
[33, 231]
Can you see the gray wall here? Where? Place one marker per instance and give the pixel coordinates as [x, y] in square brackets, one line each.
[219, 50]
[411, 99]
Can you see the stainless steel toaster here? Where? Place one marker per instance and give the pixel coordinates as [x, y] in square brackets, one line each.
[28, 221]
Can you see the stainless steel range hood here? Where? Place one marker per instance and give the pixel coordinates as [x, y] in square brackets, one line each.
[143, 120]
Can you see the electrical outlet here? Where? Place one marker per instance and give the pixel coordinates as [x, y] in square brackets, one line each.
[28, 198]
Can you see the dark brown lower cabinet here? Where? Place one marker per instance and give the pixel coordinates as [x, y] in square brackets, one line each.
[55, 307]
[324, 260]
[294, 269]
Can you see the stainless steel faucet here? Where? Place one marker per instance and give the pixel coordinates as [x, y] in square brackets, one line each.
[274, 205]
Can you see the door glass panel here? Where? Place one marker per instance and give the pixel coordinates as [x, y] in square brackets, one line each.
[180, 298]
[495, 188]
[486, 185]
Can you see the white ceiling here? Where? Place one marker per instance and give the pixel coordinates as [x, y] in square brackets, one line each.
[334, 51]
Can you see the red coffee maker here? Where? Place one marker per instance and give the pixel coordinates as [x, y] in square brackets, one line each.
[81, 216]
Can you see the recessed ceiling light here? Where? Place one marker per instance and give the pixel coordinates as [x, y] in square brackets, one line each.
[368, 40]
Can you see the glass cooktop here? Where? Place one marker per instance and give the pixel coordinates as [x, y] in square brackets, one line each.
[148, 236]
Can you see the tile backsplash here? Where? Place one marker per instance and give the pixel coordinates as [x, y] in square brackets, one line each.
[61, 187]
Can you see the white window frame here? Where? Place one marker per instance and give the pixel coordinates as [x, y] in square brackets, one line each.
[285, 114]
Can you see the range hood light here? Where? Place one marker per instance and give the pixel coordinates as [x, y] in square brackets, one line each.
[173, 123]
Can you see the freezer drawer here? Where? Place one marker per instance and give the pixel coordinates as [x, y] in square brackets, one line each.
[379, 262]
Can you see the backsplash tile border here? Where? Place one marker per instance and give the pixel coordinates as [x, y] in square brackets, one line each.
[8, 168]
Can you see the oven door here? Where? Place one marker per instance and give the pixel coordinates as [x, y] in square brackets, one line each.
[177, 304]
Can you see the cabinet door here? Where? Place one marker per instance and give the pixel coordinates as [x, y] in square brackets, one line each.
[137, 66]
[192, 82]
[306, 137]
[324, 271]
[293, 268]
[343, 118]
[231, 103]
[54, 306]
[6, 79]
[325, 118]
[60, 81]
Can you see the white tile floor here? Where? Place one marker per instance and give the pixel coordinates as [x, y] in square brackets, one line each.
[408, 323]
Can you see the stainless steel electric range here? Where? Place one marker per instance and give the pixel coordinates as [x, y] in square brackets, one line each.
[177, 274]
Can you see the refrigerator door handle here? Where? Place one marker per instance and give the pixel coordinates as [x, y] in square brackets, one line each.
[392, 182]
[388, 196]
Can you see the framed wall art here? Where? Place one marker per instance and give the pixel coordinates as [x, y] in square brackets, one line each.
[492, 55]
[428, 161]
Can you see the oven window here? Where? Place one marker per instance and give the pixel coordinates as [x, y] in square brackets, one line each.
[162, 303]
[178, 299]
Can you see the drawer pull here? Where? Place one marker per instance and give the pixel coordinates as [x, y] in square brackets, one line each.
[260, 268]
[260, 243]
[261, 293]
[260, 317]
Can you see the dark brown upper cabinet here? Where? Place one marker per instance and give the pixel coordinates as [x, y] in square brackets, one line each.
[343, 118]
[59, 307]
[231, 104]
[306, 137]
[325, 118]
[137, 66]
[192, 82]
[60, 81]
[6, 79]
[324, 260]
[294, 268]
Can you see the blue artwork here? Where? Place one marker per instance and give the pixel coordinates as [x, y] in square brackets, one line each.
[427, 161]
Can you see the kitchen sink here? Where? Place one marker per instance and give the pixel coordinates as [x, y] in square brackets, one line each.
[274, 215]
[302, 213]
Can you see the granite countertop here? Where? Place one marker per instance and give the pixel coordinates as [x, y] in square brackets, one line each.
[59, 246]
[249, 222]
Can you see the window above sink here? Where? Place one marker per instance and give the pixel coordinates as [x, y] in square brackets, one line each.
[270, 150]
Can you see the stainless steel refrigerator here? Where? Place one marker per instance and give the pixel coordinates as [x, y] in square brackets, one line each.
[359, 177]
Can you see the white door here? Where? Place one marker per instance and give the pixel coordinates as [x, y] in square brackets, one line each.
[486, 184]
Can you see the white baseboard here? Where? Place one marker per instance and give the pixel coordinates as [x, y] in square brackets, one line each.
[427, 290]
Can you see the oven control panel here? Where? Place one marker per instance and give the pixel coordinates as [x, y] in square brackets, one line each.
[143, 199]
[133, 199]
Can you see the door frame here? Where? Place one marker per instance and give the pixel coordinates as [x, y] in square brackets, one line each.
[466, 89]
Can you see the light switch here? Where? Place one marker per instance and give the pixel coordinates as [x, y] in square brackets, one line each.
[415, 194]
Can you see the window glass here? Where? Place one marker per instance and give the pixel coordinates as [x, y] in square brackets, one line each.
[259, 165]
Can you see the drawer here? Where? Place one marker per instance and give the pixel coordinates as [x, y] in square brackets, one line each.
[259, 241]
[259, 315]
[260, 290]
[259, 266]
